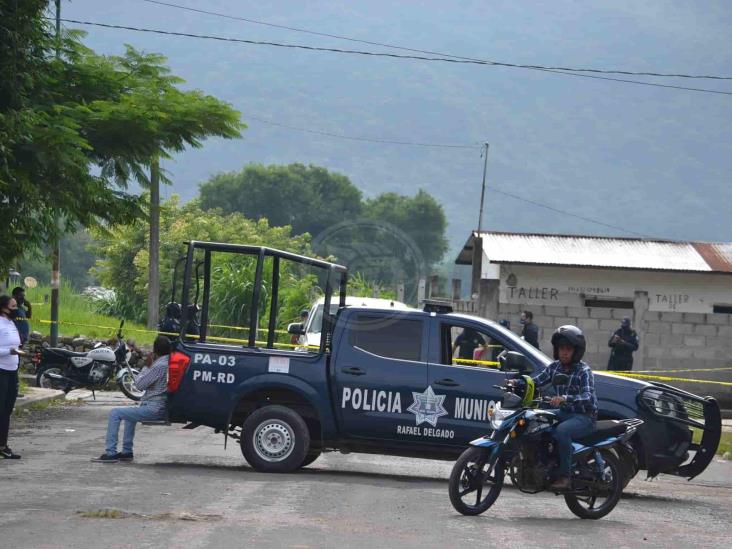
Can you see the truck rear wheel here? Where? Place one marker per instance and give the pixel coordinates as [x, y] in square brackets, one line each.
[312, 456]
[275, 439]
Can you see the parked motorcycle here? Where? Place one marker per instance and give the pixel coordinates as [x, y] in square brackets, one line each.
[58, 368]
[522, 440]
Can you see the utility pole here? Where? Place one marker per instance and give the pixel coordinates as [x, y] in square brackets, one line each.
[56, 255]
[482, 191]
[153, 278]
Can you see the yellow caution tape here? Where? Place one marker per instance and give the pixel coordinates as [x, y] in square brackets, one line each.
[667, 378]
[243, 328]
[212, 338]
[639, 374]
[479, 362]
[667, 371]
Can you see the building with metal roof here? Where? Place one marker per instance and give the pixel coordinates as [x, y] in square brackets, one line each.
[600, 251]
[678, 294]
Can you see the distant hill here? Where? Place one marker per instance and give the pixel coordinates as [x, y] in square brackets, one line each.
[651, 160]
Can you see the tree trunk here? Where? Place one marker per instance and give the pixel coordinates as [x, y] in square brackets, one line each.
[153, 293]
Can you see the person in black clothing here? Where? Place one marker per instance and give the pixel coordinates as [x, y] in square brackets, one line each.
[170, 324]
[623, 343]
[467, 342]
[531, 331]
[25, 312]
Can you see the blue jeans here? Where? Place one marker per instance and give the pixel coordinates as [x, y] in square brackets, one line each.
[148, 410]
[572, 426]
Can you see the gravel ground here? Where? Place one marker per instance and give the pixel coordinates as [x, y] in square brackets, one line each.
[185, 490]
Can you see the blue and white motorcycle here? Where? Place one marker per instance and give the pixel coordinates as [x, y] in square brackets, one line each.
[522, 441]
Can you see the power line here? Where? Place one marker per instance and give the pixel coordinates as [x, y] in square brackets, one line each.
[474, 147]
[428, 52]
[375, 54]
[564, 212]
[367, 139]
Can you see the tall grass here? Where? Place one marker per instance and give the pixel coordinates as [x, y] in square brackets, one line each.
[77, 316]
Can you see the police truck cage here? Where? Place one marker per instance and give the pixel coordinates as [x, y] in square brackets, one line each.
[333, 274]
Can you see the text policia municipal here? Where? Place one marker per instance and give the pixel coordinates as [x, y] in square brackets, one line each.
[379, 400]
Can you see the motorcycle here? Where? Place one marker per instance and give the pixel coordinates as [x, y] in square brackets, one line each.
[58, 368]
[522, 442]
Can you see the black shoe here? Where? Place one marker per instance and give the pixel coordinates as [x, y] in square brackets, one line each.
[7, 453]
[125, 456]
[106, 458]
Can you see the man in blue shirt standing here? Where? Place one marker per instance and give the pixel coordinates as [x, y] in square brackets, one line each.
[578, 403]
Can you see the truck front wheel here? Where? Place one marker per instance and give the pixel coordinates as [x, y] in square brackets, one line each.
[275, 439]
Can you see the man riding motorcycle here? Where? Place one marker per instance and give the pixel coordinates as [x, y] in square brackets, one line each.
[578, 406]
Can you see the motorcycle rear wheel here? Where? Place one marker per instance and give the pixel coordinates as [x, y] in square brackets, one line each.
[475, 473]
[586, 506]
[45, 382]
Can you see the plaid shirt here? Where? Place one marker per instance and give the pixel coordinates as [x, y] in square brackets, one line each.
[580, 391]
[154, 380]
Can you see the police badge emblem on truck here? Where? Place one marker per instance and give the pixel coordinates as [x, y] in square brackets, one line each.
[427, 407]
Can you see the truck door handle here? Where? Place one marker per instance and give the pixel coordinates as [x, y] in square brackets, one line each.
[353, 371]
[447, 382]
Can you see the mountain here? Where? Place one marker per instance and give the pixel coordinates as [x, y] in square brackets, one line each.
[644, 159]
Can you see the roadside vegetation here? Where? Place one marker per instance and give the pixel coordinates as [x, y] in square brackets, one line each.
[78, 315]
[725, 444]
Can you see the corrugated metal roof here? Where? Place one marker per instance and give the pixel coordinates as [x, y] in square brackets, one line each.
[591, 251]
[718, 256]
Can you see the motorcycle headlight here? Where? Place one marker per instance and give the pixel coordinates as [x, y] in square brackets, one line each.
[497, 415]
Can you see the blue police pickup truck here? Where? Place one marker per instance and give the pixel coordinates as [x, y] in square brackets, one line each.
[386, 381]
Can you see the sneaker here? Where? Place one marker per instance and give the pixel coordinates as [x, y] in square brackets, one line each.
[106, 458]
[7, 453]
[125, 456]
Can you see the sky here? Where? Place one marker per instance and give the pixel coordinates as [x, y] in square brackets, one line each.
[638, 160]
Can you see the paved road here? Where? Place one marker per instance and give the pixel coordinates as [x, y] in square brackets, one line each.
[186, 490]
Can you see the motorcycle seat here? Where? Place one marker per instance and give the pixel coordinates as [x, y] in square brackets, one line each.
[603, 429]
[62, 353]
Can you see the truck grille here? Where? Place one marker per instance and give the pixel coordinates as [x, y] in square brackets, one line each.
[674, 404]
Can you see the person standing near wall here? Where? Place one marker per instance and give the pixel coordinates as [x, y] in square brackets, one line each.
[624, 342]
[530, 331]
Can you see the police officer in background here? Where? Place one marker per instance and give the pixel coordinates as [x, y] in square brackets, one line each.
[530, 330]
[623, 343]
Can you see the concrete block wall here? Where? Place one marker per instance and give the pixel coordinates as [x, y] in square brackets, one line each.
[668, 340]
[686, 340]
[597, 324]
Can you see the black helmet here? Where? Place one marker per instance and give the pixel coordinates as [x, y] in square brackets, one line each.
[572, 335]
[172, 310]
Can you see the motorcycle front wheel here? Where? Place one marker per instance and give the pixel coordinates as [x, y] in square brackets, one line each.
[476, 481]
[604, 496]
[126, 384]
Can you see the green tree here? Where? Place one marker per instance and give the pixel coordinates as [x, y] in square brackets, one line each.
[307, 198]
[420, 217]
[47, 184]
[74, 130]
[123, 262]
[78, 260]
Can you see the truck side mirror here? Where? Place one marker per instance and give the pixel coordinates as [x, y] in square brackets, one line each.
[296, 328]
[511, 361]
